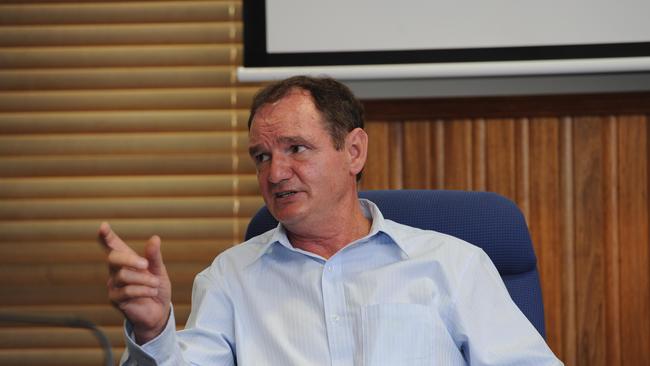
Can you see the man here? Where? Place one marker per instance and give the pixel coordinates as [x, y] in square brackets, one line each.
[334, 283]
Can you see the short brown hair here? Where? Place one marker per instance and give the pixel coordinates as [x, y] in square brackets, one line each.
[341, 110]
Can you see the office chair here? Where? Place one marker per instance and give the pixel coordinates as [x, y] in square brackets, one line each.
[485, 219]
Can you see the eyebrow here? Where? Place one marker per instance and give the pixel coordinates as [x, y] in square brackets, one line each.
[288, 140]
[292, 140]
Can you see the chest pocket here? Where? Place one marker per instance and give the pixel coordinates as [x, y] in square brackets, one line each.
[397, 334]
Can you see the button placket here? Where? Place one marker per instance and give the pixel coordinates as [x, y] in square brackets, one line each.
[335, 310]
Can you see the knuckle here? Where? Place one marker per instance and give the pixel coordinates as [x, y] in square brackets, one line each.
[122, 278]
[130, 291]
[112, 257]
[114, 295]
[120, 275]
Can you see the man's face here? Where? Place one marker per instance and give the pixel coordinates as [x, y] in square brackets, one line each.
[301, 175]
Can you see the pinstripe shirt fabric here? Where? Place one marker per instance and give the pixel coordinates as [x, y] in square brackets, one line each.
[399, 296]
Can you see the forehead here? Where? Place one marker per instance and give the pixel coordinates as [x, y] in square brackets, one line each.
[293, 112]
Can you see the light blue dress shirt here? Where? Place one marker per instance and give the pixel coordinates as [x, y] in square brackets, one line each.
[398, 296]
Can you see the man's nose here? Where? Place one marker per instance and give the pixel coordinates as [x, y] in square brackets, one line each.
[279, 169]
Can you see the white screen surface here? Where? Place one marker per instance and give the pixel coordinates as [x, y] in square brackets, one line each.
[301, 26]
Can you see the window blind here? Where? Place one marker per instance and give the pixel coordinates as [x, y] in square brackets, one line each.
[122, 111]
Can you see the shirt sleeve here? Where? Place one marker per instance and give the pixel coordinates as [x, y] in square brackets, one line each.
[163, 350]
[206, 340]
[492, 329]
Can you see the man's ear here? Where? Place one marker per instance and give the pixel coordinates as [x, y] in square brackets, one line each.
[356, 147]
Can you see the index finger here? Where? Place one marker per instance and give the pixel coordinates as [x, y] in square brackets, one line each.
[110, 240]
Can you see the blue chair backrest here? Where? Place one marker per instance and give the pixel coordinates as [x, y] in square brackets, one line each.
[485, 219]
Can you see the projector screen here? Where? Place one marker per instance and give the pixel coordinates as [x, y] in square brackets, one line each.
[446, 33]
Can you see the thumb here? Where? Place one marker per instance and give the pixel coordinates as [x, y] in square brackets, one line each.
[154, 256]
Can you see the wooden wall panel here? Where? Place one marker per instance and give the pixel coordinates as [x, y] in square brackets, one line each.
[457, 163]
[581, 180]
[419, 164]
[500, 157]
[384, 170]
[543, 217]
[612, 244]
[377, 171]
[479, 168]
[522, 164]
[567, 261]
[590, 239]
[633, 241]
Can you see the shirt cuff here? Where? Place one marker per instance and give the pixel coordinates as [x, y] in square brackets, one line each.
[157, 351]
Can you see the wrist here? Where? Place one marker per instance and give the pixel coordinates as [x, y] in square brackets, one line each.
[144, 334]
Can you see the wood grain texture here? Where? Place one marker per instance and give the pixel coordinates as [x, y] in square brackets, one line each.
[589, 246]
[567, 230]
[612, 243]
[479, 166]
[544, 220]
[581, 181]
[633, 240]
[376, 174]
[458, 154]
[440, 156]
[395, 164]
[418, 158]
[527, 106]
[500, 157]
[522, 164]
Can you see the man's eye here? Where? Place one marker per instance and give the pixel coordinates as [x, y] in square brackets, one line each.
[298, 148]
[260, 158]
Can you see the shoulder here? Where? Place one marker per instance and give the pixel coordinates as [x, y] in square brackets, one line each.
[447, 255]
[417, 242]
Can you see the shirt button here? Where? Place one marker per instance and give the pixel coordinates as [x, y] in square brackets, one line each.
[336, 317]
[330, 268]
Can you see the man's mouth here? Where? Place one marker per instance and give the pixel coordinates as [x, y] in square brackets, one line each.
[284, 194]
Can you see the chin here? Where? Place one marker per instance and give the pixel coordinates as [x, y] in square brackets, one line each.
[287, 217]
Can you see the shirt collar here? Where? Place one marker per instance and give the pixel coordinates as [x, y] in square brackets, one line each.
[278, 235]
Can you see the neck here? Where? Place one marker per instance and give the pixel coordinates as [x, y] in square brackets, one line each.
[329, 239]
